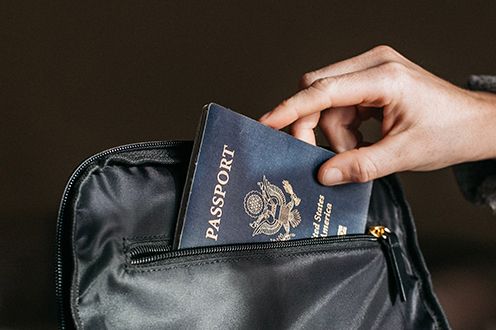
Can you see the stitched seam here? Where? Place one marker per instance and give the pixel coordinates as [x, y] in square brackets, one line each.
[123, 161]
[148, 269]
[125, 250]
[76, 263]
[132, 238]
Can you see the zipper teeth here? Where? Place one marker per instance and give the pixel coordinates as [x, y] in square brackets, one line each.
[67, 190]
[141, 251]
[149, 256]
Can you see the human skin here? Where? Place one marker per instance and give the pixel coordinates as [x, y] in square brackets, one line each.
[427, 123]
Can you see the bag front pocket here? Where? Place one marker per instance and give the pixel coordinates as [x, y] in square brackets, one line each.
[341, 281]
[335, 282]
[159, 253]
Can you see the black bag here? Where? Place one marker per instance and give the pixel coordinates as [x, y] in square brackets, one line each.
[115, 267]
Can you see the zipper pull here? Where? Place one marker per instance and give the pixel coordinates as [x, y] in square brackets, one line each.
[393, 249]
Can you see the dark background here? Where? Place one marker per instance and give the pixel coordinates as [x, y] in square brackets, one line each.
[79, 78]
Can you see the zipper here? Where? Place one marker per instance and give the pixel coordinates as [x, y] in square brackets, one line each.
[142, 254]
[59, 274]
[393, 254]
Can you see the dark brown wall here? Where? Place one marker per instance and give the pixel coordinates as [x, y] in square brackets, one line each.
[79, 78]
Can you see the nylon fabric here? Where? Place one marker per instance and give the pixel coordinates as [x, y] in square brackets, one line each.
[135, 198]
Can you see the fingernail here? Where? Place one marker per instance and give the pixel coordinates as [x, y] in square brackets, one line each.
[264, 117]
[332, 176]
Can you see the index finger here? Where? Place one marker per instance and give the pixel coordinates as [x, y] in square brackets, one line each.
[370, 87]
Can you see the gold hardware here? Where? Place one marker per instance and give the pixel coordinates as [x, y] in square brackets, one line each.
[379, 231]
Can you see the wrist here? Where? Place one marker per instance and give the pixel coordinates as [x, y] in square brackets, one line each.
[483, 126]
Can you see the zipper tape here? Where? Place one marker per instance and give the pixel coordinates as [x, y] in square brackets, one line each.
[145, 254]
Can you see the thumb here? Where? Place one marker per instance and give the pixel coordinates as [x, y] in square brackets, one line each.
[363, 164]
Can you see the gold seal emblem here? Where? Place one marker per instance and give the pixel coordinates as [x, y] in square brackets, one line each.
[271, 211]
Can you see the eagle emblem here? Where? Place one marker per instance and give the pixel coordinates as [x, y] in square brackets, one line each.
[271, 211]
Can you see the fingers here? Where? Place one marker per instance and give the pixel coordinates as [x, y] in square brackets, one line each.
[365, 164]
[303, 128]
[372, 87]
[374, 57]
[340, 128]
[341, 138]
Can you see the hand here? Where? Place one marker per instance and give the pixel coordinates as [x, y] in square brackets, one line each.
[426, 122]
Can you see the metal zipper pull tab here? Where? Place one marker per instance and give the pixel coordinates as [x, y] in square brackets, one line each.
[393, 249]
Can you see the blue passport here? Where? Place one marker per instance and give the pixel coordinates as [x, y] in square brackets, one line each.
[248, 183]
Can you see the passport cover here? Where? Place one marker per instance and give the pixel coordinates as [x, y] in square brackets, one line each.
[250, 183]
